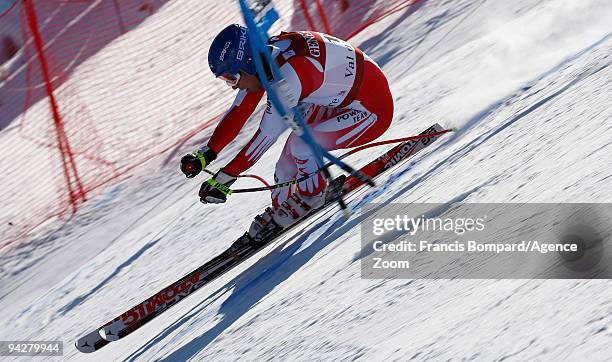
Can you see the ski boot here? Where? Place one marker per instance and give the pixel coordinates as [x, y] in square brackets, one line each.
[262, 230]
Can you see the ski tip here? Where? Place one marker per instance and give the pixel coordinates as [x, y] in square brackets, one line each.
[455, 129]
[90, 342]
[83, 348]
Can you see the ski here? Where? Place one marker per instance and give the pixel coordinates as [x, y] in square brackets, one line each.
[241, 250]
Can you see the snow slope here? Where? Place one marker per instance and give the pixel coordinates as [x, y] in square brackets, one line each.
[528, 82]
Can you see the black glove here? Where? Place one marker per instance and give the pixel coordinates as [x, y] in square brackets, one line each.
[193, 163]
[216, 189]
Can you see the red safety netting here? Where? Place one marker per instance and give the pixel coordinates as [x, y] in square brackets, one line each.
[91, 88]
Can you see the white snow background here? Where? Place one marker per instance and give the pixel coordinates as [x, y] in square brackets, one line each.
[528, 83]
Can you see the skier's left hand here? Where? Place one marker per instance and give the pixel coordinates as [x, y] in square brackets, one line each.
[216, 189]
[193, 163]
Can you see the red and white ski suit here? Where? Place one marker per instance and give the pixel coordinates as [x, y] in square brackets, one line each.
[344, 97]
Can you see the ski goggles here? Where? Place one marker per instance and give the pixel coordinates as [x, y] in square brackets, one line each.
[231, 79]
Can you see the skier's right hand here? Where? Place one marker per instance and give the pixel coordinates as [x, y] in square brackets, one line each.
[193, 163]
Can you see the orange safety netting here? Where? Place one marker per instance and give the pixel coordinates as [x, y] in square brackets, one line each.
[80, 81]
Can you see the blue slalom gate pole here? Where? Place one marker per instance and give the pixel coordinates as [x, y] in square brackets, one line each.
[258, 37]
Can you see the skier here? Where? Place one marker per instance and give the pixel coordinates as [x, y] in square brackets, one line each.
[342, 93]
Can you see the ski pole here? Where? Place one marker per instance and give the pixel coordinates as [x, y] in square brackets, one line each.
[269, 187]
